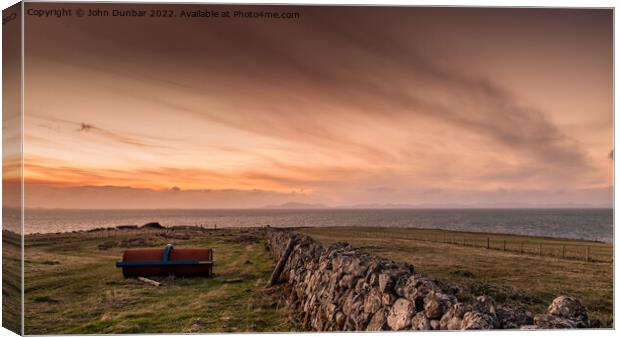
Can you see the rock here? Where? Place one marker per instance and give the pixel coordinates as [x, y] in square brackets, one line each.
[452, 323]
[373, 301]
[568, 307]
[349, 303]
[387, 299]
[474, 320]
[452, 319]
[546, 321]
[378, 322]
[485, 304]
[405, 287]
[347, 281]
[340, 318]
[400, 314]
[361, 286]
[339, 288]
[152, 225]
[356, 268]
[127, 227]
[386, 282]
[564, 312]
[372, 279]
[348, 325]
[436, 304]
[424, 285]
[513, 319]
[420, 322]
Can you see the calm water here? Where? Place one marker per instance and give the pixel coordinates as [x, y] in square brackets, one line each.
[591, 224]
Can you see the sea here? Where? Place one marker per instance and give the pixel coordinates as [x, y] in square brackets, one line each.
[585, 224]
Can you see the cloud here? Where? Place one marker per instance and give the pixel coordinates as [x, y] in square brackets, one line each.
[379, 104]
[123, 197]
[60, 125]
[85, 127]
[381, 190]
[398, 80]
[114, 136]
[330, 68]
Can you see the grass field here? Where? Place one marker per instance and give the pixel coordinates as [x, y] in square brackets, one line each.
[71, 286]
[521, 280]
[11, 281]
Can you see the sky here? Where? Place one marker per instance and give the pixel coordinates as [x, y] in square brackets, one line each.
[343, 106]
[11, 121]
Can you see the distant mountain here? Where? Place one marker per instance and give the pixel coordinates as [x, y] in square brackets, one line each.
[379, 206]
[470, 206]
[408, 206]
[299, 205]
[296, 205]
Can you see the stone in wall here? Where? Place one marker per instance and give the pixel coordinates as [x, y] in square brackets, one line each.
[564, 312]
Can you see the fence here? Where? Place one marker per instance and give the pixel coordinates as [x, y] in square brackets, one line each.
[595, 252]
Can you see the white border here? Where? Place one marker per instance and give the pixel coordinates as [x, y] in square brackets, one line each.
[474, 3]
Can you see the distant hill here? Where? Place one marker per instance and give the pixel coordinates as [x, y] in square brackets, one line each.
[472, 206]
[299, 205]
[296, 205]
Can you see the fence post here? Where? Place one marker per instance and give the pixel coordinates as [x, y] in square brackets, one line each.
[521, 247]
[504, 245]
[587, 253]
[540, 249]
[563, 251]
[488, 243]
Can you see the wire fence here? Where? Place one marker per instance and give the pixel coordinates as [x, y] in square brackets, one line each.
[595, 252]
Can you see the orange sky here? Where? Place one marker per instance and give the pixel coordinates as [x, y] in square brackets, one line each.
[343, 106]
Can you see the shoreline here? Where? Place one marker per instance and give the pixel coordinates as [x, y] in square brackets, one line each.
[455, 231]
[565, 224]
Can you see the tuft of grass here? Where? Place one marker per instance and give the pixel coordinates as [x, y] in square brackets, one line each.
[45, 299]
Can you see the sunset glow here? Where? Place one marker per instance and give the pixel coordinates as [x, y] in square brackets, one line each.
[413, 106]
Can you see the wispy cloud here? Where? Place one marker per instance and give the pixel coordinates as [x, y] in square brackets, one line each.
[385, 104]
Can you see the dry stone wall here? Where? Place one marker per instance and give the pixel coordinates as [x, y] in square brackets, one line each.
[338, 288]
